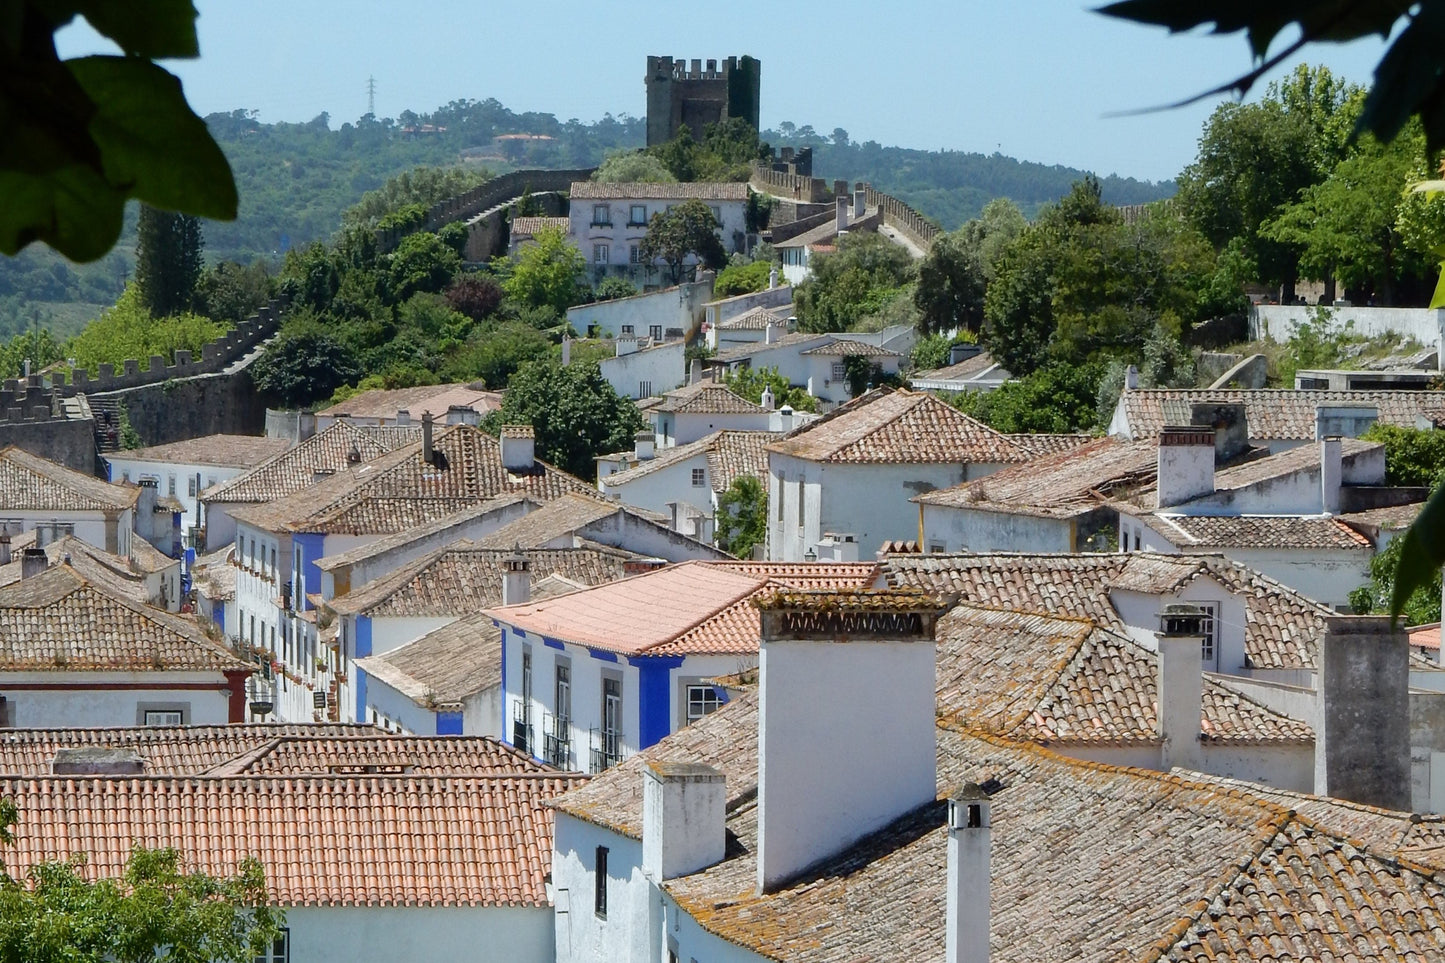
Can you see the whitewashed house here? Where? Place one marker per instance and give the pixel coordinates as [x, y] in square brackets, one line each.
[592, 677]
[854, 471]
[399, 875]
[76, 651]
[743, 838]
[969, 369]
[608, 222]
[145, 576]
[454, 403]
[817, 363]
[683, 483]
[642, 370]
[183, 469]
[755, 326]
[687, 414]
[38, 495]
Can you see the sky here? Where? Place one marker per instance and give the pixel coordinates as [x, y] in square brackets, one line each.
[1040, 80]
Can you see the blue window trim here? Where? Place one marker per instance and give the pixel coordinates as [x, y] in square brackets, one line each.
[601, 655]
[654, 696]
[554, 644]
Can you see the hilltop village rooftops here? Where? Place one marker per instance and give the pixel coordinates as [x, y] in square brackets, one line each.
[730, 455]
[401, 490]
[1062, 484]
[899, 427]
[60, 621]
[756, 319]
[436, 399]
[1273, 414]
[222, 451]
[29, 483]
[1223, 872]
[1282, 626]
[709, 607]
[530, 226]
[124, 577]
[1285, 532]
[337, 448]
[708, 398]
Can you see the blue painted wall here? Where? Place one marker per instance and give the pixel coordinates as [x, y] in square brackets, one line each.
[312, 549]
[363, 648]
[449, 723]
[654, 697]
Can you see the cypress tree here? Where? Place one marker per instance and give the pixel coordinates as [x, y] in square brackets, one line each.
[168, 260]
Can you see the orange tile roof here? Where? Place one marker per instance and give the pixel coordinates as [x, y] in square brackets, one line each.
[292, 470]
[1273, 414]
[165, 750]
[29, 483]
[1426, 636]
[456, 840]
[708, 398]
[900, 427]
[230, 451]
[708, 607]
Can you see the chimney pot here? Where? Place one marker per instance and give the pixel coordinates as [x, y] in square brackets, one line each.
[1331, 474]
[5, 557]
[684, 819]
[1180, 689]
[969, 851]
[33, 561]
[1362, 723]
[1131, 378]
[1186, 465]
[428, 454]
[403, 418]
[644, 446]
[516, 577]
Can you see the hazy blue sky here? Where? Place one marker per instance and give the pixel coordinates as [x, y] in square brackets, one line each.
[1034, 79]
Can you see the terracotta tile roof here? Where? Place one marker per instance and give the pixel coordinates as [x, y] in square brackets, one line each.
[709, 608]
[372, 752]
[1059, 681]
[1285, 532]
[398, 491]
[729, 455]
[1282, 627]
[529, 226]
[757, 319]
[848, 347]
[226, 451]
[385, 403]
[900, 427]
[745, 351]
[29, 483]
[462, 579]
[214, 576]
[297, 468]
[1051, 444]
[165, 750]
[1060, 485]
[1273, 414]
[402, 539]
[708, 398]
[458, 840]
[644, 191]
[116, 574]
[459, 660]
[58, 621]
[1426, 636]
[1395, 518]
[1265, 468]
[563, 523]
[1152, 866]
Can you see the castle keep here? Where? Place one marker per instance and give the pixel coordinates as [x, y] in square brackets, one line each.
[678, 95]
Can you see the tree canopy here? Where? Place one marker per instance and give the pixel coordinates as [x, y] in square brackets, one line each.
[575, 414]
[857, 279]
[547, 272]
[685, 230]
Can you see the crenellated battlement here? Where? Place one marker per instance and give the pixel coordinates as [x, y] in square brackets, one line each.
[676, 68]
[480, 199]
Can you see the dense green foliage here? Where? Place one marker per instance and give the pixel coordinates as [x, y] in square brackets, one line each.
[575, 414]
[401, 198]
[127, 330]
[955, 273]
[1421, 607]
[168, 260]
[547, 273]
[1413, 456]
[633, 166]
[741, 279]
[750, 383]
[158, 911]
[742, 517]
[1057, 398]
[682, 231]
[304, 365]
[858, 279]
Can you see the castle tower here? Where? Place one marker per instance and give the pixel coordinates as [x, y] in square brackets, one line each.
[696, 95]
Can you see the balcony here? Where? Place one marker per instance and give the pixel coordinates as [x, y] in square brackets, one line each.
[606, 749]
[557, 742]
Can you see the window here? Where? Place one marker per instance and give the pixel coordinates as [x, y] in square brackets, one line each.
[840, 371]
[1209, 648]
[191, 486]
[279, 951]
[599, 254]
[7, 713]
[799, 485]
[634, 254]
[654, 332]
[601, 215]
[701, 700]
[599, 882]
[779, 486]
[637, 216]
[644, 389]
[716, 213]
[607, 749]
[627, 330]
[699, 477]
[163, 717]
[171, 485]
[522, 709]
[559, 739]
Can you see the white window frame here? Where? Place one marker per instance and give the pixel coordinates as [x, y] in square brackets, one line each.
[699, 477]
[1209, 645]
[633, 218]
[839, 371]
[280, 949]
[601, 254]
[163, 717]
[701, 700]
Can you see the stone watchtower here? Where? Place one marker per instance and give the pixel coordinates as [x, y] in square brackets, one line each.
[678, 96]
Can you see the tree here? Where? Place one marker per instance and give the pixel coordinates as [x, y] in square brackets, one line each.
[742, 516]
[231, 293]
[420, 187]
[496, 352]
[1413, 456]
[954, 275]
[1419, 606]
[852, 282]
[475, 295]
[306, 364]
[159, 910]
[421, 262]
[547, 272]
[687, 230]
[749, 383]
[632, 167]
[742, 279]
[1054, 399]
[610, 289]
[575, 414]
[168, 260]
[84, 135]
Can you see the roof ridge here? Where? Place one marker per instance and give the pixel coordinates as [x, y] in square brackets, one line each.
[237, 764]
[760, 585]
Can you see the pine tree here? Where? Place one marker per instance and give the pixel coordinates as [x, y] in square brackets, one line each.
[168, 260]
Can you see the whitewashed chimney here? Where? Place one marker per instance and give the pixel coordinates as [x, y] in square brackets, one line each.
[403, 418]
[462, 415]
[785, 418]
[1331, 473]
[5, 557]
[772, 277]
[644, 446]
[767, 399]
[770, 332]
[848, 674]
[519, 448]
[1362, 717]
[626, 346]
[694, 373]
[1181, 685]
[1186, 465]
[969, 850]
[566, 350]
[1131, 378]
[684, 819]
[516, 577]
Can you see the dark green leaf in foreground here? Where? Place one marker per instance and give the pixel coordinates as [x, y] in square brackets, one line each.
[1422, 552]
